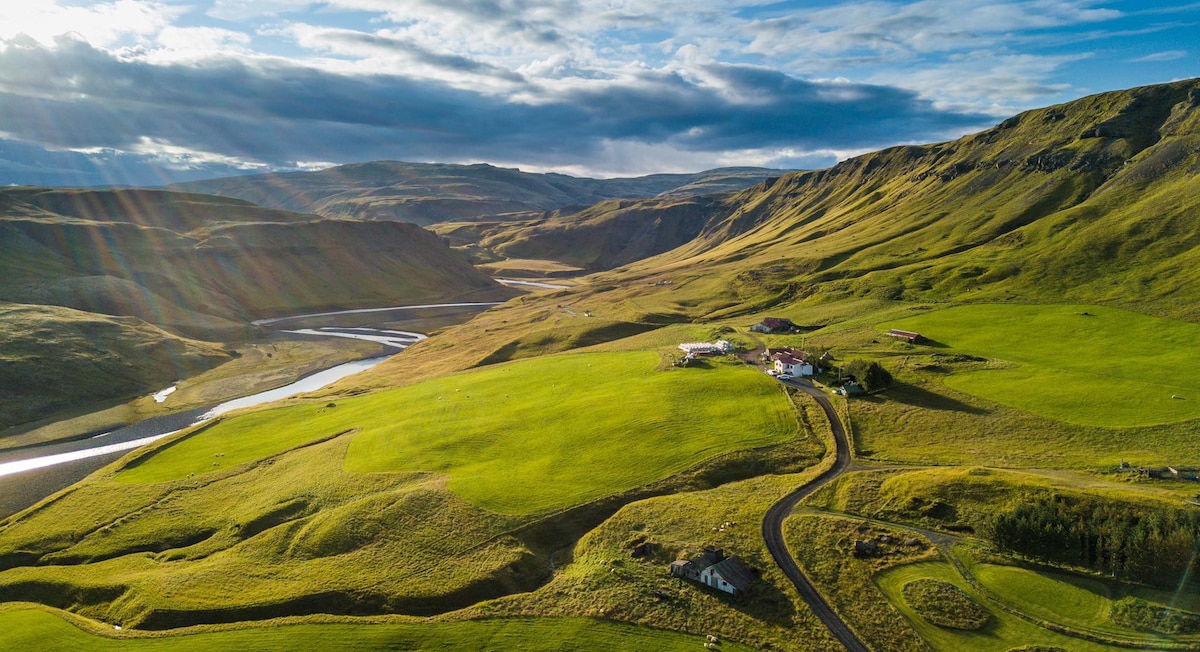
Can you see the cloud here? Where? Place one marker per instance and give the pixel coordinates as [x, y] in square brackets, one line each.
[1169, 55]
[102, 23]
[404, 50]
[243, 112]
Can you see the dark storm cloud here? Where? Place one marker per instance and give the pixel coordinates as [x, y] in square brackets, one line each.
[278, 113]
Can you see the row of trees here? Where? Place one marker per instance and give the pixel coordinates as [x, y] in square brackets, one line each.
[1153, 544]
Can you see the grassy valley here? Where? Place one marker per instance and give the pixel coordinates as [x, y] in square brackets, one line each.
[114, 293]
[1024, 482]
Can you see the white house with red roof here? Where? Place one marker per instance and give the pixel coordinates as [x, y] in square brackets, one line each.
[791, 365]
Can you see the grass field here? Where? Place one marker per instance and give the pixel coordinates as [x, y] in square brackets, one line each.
[1087, 365]
[1003, 632]
[35, 629]
[527, 437]
[966, 499]
[1076, 601]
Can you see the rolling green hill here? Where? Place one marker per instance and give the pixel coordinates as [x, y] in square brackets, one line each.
[425, 193]
[393, 493]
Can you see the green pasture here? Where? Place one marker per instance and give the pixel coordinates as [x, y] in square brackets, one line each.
[1076, 601]
[1003, 632]
[1087, 365]
[526, 437]
[34, 629]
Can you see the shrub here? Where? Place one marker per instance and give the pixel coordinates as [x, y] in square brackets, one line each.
[944, 604]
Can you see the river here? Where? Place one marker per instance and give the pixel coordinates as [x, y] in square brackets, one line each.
[30, 474]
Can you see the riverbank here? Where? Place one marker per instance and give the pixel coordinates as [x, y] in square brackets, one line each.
[40, 462]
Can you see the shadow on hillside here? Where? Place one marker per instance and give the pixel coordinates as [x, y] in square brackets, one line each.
[925, 341]
[920, 397]
[763, 601]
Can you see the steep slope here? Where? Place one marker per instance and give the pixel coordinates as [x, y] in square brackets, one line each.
[608, 234]
[207, 265]
[430, 193]
[108, 358]
[1094, 200]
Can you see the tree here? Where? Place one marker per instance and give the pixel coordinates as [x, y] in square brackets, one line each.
[870, 375]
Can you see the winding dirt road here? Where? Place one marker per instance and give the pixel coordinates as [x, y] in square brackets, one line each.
[772, 527]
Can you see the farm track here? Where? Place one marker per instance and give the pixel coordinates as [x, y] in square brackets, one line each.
[772, 528]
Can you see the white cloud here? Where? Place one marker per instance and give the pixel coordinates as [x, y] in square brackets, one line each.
[103, 24]
[190, 42]
[1169, 55]
[175, 157]
[987, 82]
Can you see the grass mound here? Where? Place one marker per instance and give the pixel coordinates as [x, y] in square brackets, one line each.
[1086, 365]
[944, 604]
[521, 438]
[1136, 613]
[54, 359]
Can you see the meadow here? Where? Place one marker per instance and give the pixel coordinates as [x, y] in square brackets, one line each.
[522, 438]
[1003, 632]
[1082, 364]
[1076, 601]
[30, 629]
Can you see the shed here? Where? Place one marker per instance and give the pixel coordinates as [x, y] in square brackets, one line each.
[909, 336]
[774, 325]
[730, 575]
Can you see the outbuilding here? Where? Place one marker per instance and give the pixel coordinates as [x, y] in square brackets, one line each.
[774, 325]
[908, 336]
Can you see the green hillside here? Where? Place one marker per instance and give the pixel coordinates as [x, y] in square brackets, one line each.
[51, 358]
[512, 466]
[1092, 201]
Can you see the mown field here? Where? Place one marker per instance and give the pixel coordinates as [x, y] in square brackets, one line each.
[35, 629]
[1076, 601]
[1086, 365]
[1002, 632]
[523, 438]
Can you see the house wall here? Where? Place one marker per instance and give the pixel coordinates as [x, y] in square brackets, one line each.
[715, 581]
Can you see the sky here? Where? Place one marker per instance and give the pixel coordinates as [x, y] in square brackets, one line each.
[146, 92]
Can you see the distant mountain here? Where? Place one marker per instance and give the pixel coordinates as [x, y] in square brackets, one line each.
[1094, 200]
[207, 265]
[430, 193]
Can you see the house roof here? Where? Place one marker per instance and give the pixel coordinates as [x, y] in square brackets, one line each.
[776, 322]
[736, 572]
[896, 332]
[787, 359]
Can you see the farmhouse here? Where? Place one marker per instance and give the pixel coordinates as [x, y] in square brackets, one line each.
[694, 349]
[909, 336]
[787, 364]
[715, 570]
[787, 360]
[774, 325]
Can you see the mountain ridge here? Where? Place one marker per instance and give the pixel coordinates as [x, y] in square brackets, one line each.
[428, 193]
[931, 222]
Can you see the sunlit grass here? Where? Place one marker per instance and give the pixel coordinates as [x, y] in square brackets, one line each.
[525, 437]
[34, 629]
[1087, 365]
